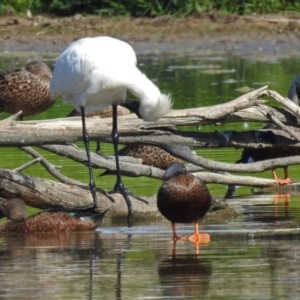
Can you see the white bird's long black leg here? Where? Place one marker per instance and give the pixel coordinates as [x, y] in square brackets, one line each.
[119, 187]
[88, 154]
[92, 184]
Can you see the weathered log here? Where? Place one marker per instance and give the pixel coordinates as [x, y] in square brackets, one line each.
[43, 193]
[66, 131]
[132, 129]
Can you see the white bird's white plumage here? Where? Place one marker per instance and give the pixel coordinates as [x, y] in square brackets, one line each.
[96, 72]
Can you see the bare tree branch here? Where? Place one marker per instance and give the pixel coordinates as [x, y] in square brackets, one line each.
[27, 165]
[50, 167]
[290, 105]
[287, 129]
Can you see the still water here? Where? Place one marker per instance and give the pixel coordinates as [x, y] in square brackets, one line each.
[142, 262]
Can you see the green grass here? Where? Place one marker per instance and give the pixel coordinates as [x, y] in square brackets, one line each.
[148, 8]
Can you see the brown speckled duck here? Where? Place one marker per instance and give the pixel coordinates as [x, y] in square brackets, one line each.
[105, 113]
[46, 221]
[258, 154]
[150, 155]
[26, 89]
[183, 198]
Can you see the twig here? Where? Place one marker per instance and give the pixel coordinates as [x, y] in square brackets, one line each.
[27, 165]
[11, 120]
[50, 167]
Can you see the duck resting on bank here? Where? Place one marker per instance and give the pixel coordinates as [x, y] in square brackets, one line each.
[14, 210]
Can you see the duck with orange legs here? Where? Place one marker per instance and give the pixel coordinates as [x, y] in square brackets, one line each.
[184, 198]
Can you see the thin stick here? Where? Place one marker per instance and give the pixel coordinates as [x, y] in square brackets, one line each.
[27, 165]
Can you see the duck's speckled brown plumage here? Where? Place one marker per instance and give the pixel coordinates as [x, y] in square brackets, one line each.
[183, 198]
[150, 155]
[26, 89]
[47, 221]
[105, 113]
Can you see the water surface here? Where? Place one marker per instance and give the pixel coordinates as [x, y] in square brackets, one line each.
[142, 262]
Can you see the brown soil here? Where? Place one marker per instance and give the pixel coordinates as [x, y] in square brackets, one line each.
[211, 33]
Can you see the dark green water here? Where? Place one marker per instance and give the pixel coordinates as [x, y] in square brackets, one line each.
[117, 262]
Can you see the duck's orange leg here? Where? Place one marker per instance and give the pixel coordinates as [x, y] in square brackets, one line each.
[199, 238]
[286, 179]
[175, 236]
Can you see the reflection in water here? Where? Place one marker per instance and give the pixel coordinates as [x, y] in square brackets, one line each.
[268, 210]
[138, 266]
[286, 198]
[44, 265]
[184, 275]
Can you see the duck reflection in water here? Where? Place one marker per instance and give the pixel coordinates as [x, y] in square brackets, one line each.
[185, 275]
[36, 256]
[183, 198]
[46, 221]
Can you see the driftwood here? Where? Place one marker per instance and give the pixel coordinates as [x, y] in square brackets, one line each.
[43, 193]
[58, 135]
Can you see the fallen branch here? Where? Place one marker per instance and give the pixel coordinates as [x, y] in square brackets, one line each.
[43, 193]
[183, 152]
[186, 154]
[132, 129]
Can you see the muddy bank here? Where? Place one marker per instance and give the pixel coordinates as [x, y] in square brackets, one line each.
[206, 35]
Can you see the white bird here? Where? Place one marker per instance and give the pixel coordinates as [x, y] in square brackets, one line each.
[93, 73]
